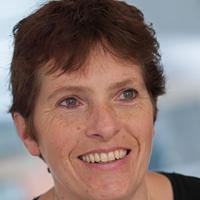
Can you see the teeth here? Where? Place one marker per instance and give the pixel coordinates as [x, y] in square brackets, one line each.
[84, 158]
[91, 158]
[104, 157]
[87, 158]
[97, 157]
[117, 154]
[111, 156]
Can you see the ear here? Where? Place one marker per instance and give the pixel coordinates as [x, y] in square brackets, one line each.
[21, 126]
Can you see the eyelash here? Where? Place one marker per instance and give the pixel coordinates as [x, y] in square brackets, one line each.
[64, 102]
[129, 98]
[78, 103]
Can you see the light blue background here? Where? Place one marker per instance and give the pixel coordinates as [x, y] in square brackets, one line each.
[176, 144]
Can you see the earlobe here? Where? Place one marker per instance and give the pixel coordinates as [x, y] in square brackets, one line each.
[21, 126]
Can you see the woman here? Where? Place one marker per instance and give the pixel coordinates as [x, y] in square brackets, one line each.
[86, 76]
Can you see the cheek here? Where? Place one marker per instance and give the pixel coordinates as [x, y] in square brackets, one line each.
[139, 123]
[53, 131]
[58, 133]
[140, 128]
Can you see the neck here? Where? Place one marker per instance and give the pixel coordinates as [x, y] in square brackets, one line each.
[148, 196]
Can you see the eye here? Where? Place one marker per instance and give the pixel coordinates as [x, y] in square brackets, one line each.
[128, 95]
[70, 102]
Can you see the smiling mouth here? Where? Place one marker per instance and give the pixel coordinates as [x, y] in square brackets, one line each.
[104, 157]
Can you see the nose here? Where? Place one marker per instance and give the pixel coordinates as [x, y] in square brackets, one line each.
[103, 123]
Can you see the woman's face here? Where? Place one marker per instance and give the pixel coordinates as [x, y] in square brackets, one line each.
[95, 129]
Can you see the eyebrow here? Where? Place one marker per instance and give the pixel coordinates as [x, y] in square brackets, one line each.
[114, 86]
[123, 83]
[68, 89]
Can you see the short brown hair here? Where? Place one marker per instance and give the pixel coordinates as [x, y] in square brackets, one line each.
[65, 31]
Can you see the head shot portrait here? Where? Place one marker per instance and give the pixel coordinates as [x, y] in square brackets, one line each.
[86, 77]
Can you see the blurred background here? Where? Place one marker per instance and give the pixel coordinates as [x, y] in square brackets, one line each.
[177, 140]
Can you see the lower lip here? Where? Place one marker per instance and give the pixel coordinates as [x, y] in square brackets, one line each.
[108, 165]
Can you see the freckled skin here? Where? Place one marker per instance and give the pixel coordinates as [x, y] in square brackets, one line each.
[100, 121]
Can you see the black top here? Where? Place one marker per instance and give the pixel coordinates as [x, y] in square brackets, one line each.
[184, 187]
[36, 198]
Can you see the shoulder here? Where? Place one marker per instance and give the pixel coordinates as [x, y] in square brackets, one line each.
[46, 196]
[172, 186]
[184, 187]
[159, 186]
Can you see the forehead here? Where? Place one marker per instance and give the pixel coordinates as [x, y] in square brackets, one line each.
[100, 65]
[102, 75]
[98, 53]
